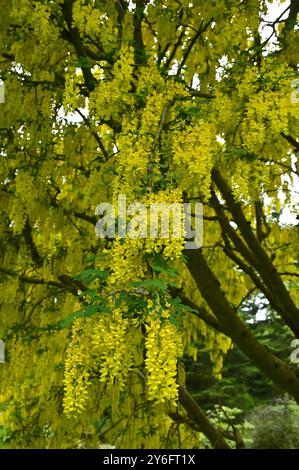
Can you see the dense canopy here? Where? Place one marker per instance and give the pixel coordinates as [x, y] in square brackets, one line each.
[164, 101]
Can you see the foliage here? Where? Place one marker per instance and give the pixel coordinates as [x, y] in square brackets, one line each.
[276, 426]
[243, 385]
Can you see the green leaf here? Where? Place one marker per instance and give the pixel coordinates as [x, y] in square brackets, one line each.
[90, 258]
[84, 63]
[159, 264]
[150, 284]
[90, 275]
[180, 308]
[87, 312]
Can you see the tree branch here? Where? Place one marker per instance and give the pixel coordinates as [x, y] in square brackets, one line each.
[262, 262]
[201, 30]
[199, 417]
[284, 376]
[201, 312]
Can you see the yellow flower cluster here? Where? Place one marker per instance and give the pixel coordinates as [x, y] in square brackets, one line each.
[110, 98]
[171, 247]
[249, 84]
[267, 116]
[76, 376]
[26, 200]
[96, 23]
[36, 46]
[86, 18]
[9, 290]
[233, 32]
[126, 262]
[226, 112]
[31, 373]
[193, 156]
[150, 77]
[151, 115]
[132, 163]
[72, 98]
[268, 107]
[111, 346]
[249, 179]
[163, 348]
[37, 20]
[218, 345]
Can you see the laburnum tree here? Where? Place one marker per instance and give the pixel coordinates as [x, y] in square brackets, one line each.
[165, 101]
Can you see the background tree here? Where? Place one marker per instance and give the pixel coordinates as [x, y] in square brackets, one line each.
[163, 101]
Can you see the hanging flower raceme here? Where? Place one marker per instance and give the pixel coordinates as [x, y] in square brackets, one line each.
[111, 346]
[163, 348]
[193, 156]
[76, 373]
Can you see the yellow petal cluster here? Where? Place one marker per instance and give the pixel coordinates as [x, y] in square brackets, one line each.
[163, 348]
